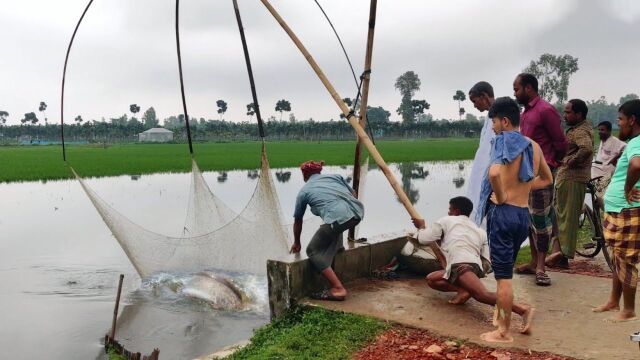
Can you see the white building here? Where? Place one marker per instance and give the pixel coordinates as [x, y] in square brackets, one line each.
[156, 135]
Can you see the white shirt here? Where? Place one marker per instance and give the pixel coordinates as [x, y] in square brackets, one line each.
[480, 165]
[463, 242]
[607, 151]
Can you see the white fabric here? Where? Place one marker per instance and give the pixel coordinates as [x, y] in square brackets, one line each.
[462, 240]
[607, 151]
[480, 164]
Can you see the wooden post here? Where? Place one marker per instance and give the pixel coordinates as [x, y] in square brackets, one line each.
[115, 309]
[364, 138]
[366, 76]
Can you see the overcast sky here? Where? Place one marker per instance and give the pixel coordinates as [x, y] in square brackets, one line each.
[124, 53]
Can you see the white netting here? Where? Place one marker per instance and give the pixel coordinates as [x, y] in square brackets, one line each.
[214, 236]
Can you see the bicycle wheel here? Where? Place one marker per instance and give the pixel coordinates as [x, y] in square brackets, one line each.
[588, 234]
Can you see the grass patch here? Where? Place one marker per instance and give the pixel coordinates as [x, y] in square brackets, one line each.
[28, 163]
[112, 353]
[311, 334]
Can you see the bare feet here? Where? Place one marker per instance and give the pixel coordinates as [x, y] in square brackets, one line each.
[557, 259]
[497, 336]
[527, 318]
[461, 297]
[606, 307]
[526, 269]
[623, 316]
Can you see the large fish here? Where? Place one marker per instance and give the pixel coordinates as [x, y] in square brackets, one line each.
[219, 292]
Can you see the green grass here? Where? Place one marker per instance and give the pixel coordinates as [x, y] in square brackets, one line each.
[26, 163]
[112, 353]
[311, 334]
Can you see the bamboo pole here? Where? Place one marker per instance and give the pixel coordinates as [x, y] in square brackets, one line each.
[363, 102]
[364, 138]
[115, 309]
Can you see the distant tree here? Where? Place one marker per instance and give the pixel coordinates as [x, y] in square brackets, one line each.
[553, 73]
[251, 110]
[377, 116]
[602, 110]
[42, 108]
[3, 117]
[30, 118]
[407, 84]
[292, 118]
[134, 109]
[282, 106]
[471, 117]
[78, 120]
[418, 107]
[627, 97]
[460, 97]
[150, 119]
[351, 105]
[120, 121]
[222, 107]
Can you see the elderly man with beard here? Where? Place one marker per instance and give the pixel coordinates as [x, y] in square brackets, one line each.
[330, 197]
[622, 219]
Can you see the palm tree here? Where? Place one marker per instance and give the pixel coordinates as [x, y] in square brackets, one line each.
[460, 96]
[42, 108]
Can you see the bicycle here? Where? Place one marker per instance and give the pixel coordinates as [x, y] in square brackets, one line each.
[591, 222]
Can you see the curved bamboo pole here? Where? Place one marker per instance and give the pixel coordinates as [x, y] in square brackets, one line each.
[362, 135]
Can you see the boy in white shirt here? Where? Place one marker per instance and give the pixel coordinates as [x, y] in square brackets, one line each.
[466, 248]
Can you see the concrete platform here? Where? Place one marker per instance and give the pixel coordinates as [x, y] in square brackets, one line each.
[563, 324]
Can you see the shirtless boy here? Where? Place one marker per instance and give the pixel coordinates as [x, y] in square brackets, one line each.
[517, 167]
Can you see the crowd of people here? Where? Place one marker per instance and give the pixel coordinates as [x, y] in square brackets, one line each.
[528, 180]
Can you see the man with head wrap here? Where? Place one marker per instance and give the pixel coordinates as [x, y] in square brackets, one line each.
[330, 197]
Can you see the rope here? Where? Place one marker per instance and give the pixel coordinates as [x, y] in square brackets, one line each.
[249, 70]
[184, 102]
[64, 75]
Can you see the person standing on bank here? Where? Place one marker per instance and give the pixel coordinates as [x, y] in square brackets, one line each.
[573, 174]
[332, 199]
[540, 122]
[481, 95]
[604, 163]
[622, 219]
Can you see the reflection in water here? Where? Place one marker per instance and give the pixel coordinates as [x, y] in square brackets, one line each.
[222, 177]
[459, 182]
[253, 174]
[410, 171]
[461, 166]
[135, 177]
[283, 176]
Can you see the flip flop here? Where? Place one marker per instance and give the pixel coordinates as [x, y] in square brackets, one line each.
[327, 296]
[542, 279]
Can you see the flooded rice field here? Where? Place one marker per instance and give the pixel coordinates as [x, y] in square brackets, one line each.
[59, 263]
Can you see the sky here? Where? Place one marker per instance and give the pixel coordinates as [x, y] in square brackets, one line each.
[125, 53]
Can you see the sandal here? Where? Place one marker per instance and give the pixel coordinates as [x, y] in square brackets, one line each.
[542, 279]
[326, 295]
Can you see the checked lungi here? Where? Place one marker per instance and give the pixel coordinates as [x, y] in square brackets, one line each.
[622, 236]
[541, 217]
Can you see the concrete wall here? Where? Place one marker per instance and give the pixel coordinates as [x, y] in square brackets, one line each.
[291, 280]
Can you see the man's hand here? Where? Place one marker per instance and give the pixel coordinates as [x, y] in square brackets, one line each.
[295, 248]
[494, 199]
[633, 195]
[419, 223]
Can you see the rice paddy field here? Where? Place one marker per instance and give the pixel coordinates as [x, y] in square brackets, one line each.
[28, 163]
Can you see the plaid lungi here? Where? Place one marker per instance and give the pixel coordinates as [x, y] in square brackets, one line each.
[622, 235]
[540, 215]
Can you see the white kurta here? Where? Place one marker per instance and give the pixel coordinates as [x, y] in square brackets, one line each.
[480, 165]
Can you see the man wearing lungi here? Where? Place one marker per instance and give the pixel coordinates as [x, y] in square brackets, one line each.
[541, 123]
[622, 219]
[517, 167]
[330, 197]
[573, 174]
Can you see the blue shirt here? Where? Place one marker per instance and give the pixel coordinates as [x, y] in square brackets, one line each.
[330, 197]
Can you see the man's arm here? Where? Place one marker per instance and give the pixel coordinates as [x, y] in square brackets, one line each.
[431, 235]
[633, 175]
[297, 230]
[585, 149]
[615, 159]
[544, 177]
[552, 122]
[496, 183]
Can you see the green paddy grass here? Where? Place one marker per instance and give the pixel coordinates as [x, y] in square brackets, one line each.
[28, 163]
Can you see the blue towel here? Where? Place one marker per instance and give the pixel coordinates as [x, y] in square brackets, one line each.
[505, 148]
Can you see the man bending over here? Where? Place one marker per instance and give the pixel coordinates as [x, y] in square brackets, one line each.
[465, 246]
